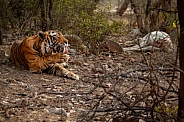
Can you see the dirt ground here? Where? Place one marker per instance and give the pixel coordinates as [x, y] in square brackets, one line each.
[111, 88]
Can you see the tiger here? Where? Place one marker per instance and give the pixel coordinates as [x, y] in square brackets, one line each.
[44, 52]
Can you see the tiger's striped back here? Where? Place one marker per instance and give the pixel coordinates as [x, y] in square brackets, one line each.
[17, 56]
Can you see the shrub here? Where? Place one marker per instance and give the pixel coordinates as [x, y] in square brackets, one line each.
[78, 17]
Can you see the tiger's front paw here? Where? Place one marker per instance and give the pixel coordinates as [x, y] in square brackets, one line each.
[73, 76]
[64, 58]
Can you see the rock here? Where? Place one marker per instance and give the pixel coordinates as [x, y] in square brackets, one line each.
[76, 42]
[110, 46]
[73, 51]
[59, 111]
[98, 70]
[86, 64]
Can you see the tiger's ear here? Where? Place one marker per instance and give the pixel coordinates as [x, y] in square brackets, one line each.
[41, 34]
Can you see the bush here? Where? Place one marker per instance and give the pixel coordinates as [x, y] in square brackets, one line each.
[78, 17]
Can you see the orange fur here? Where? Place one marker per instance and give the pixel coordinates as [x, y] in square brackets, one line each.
[40, 53]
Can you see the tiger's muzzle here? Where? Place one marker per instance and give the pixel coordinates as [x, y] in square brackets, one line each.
[61, 48]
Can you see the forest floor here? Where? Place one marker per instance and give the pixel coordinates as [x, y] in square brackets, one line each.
[129, 86]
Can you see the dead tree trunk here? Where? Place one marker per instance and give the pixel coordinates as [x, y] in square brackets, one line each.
[138, 15]
[50, 14]
[43, 15]
[123, 7]
[1, 37]
[154, 16]
[1, 21]
[180, 4]
[137, 12]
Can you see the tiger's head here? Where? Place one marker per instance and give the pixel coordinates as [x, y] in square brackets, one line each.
[53, 42]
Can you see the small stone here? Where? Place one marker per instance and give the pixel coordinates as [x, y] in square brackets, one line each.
[59, 111]
[72, 50]
[86, 64]
[99, 70]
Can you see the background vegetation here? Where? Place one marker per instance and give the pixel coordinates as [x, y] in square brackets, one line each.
[26, 17]
[83, 17]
